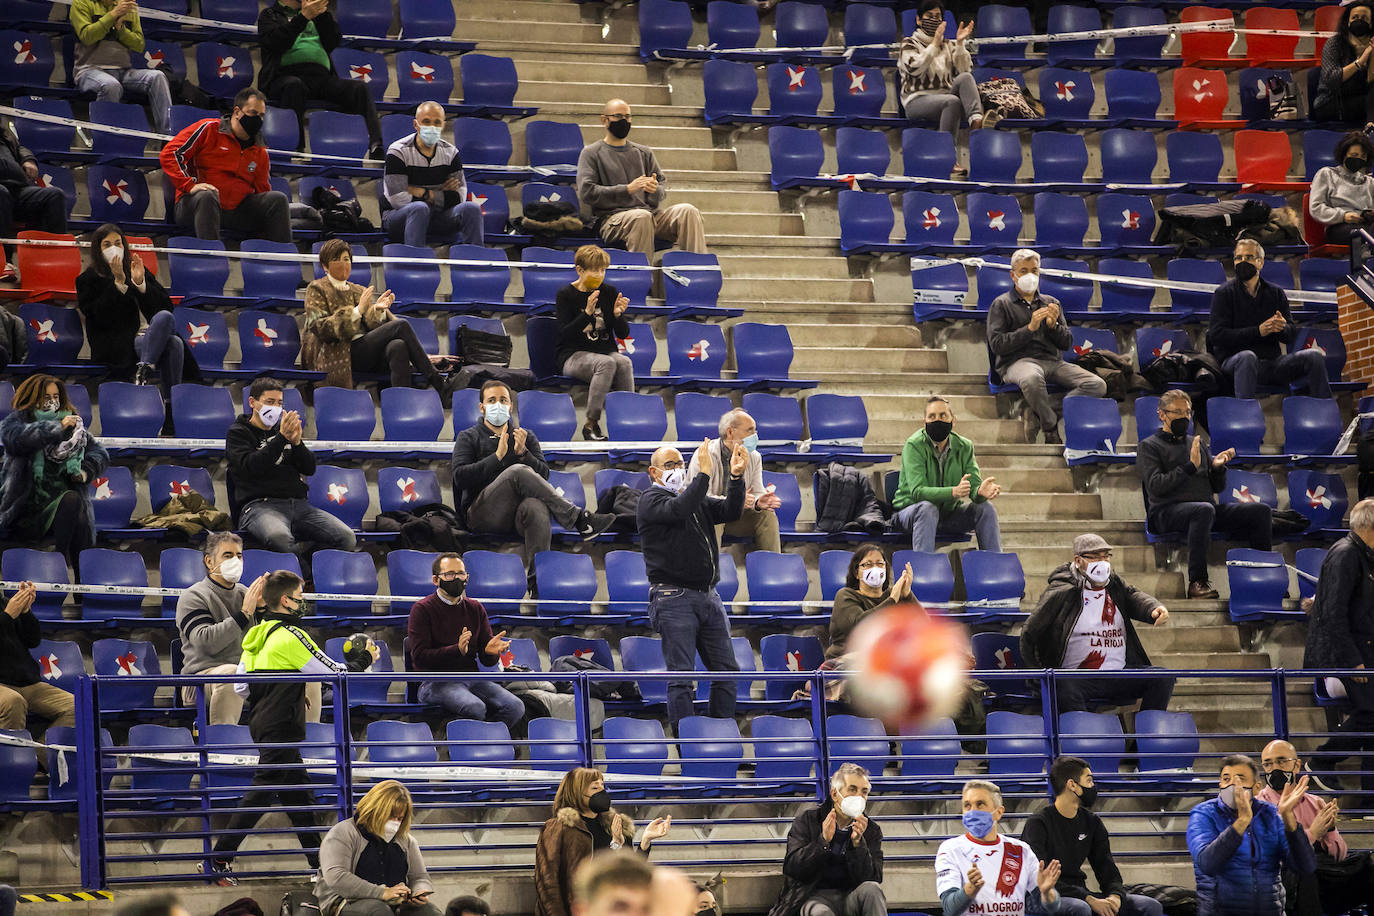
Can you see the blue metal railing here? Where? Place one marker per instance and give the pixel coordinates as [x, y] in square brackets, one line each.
[184, 797]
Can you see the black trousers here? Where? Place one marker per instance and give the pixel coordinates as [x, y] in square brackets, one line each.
[268, 775]
[1336, 887]
[395, 348]
[70, 530]
[1073, 694]
[1355, 734]
[1354, 107]
[1250, 522]
[295, 85]
[43, 209]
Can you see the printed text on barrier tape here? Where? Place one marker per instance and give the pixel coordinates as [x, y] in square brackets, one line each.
[918, 264]
[361, 259]
[371, 445]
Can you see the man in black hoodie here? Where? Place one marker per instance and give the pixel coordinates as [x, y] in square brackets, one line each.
[268, 464]
[1083, 621]
[297, 37]
[21, 197]
[677, 528]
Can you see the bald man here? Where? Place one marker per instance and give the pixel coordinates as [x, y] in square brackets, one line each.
[424, 195]
[1344, 879]
[621, 188]
[677, 531]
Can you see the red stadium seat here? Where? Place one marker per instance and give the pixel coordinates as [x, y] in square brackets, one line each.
[1262, 161]
[50, 269]
[1200, 98]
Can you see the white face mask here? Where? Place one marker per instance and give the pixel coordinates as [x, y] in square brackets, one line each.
[675, 480]
[1028, 283]
[231, 570]
[875, 576]
[114, 253]
[852, 806]
[390, 830]
[269, 414]
[1098, 572]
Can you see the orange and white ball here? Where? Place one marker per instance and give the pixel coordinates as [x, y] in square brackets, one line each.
[912, 667]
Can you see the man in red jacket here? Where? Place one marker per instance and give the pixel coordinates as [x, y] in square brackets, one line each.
[221, 174]
[449, 631]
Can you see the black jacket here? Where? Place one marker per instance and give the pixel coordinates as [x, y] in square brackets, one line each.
[264, 465]
[278, 29]
[678, 533]
[571, 310]
[17, 637]
[112, 317]
[475, 465]
[845, 501]
[1340, 628]
[1168, 475]
[1046, 634]
[12, 159]
[1052, 836]
[1236, 317]
[1010, 337]
[812, 863]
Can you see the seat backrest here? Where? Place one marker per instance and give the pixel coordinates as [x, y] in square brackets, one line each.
[422, 19]
[635, 417]
[930, 219]
[112, 497]
[367, 67]
[992, 576]
[1258, 580]
[567, 582]
[482, 141]
[268, 340]
[159, 777]
[488, 80]
[710, 748]
[1235, 423]
[1200, 95]
[1201, 45]
[1065, 93]
[543, 283]
[730, 88]
[1085, 340]
[865, 219]
[1016, 746]
[997, 20]
[731, 25]
[993, 219]
[860, 151]
[117, 659]
[704, 289]
[270, 279]
[633, 747]
[413, 743]
[1060, 219]
[551, 143]
[1320, 497]
[762, 351]
[663, 24]
[342, 492]
[1133, 94]
[927, 153]
[598, 650]
[1125, 219]
[778, 578]
[406, 488]
[836, 417]
[222, 70]
[54, 332]
[775, 416]
[20, 564]
[411, 415]
[1091, 423]
[1311, 426]
[994, 155]
[495, 577]
[696, 415]
[1138, 46]
[858, 91]
[627, 582]
[344, 414]
[1095, 737]
[868, 24]
[794, 152]
[858, 739]
[785, 652]
[996, 652]
[422, 77]
[113, 142]
[1262, 155]
[1193, 155]
[549, 415]
[1066, 18]
[1166, 740]
[1248, 487]
[793, 89]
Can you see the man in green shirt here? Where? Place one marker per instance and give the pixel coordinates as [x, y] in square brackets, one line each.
[941, 489]
[297, 37]
[106, 31]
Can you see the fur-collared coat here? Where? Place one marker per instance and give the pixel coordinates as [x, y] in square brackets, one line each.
[565, 843]
[331, 325]
[23, 437]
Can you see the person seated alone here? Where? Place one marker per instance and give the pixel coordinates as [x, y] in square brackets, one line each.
[106, 31]
[591, 321]
[1342, 196]
[940, 488]
[424, 193]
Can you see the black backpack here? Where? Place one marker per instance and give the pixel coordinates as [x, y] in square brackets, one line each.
[337, 214]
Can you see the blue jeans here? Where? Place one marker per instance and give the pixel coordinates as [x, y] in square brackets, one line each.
[109, 86]
[924, 520]
[295, 526]
[1133, 905]
[160, 346]
[692, 622]
[479, 698]
[417, 221]
[1248, 372]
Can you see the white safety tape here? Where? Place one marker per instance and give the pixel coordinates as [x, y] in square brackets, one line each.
[361, 259]
[1343, 444]
[444, 445]
[918, 263]
[323, 765]
[1108, 452]
[181, 19]
[1260, 564]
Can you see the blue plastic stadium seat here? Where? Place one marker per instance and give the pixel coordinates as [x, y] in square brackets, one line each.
[549, 415]
[1128, 156]
[710, 748]
[857, 739]
[869, 24]
[632, 416]
[423, 77]
[776, 416]
[775, 577]
[553, 744]
[344, 572]
[1064, 18]
[59, 663]
[270, 344]
[178, 567]
[227, 781]
[411, 415]
[728, 586]
[1237, 423]
[1093, 424]
[833, 566]
[272, 283]
[866, 221]
[344, 414]
[489, 86]
[101, 566]
[834, 420]
[606, 478]
[18, 765]
[794, 94]
[415, 285]
[199, 279]
[697, 415]
[664, 25]
[1151, 343]
[366, 691]
[1061, 221]
[1309, 560]
[342, 492]
[567, 582]
[1166, 740]
[763, 355]
[120, 196]
[1095, 737]
[366, 67]
[497, 579]
[58, 790]
[701, 295]
[397, 743]
[783, 652]
[1321, 498]
[927, 153]
[430, 25]
[645, 653]
[996, 20]
[222, 70]
[28, 61]
[49, 142]
[163, 782]
[995, 157]
[1085, 340]
[1195, 159]
[598, 650]
[730, 25]
[256, 562]
[553, 145]
[1068, 98]
[730, 89]
[1191, 270]
[125, 658]
[410, 574]
[860, 151]
[994, 219]
[785, 748]
[1119, 299]
[55, 337]
[1248, 487]
[627, 583]
[1328, 342]
[543, 283]
[931, 222]
[1126, 223]
[930, 757]
[993, 577]
[633, 747]
[114, 146]
[1257, 592]
[1311, 429]
[932, 581]
[796, 157]
[1016, 746]
[634, 284]
[483, 142]
[20, 564]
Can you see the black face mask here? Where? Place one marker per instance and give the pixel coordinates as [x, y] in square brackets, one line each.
[1246, 271]
[619, 129]
[938, 430]
[930, 26]
[454, 588]
[1277, 779]
[1087, 796]
[1360, 28]
[251, 124]
[600, 803]
[1178, 426]
[1355, 163]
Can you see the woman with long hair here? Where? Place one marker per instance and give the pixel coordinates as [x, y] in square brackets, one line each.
[1347, 75]
[370, 864]
[49, 459]
[583, 823]
[115, 295]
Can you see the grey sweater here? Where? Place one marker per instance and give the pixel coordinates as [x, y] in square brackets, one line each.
[753, 474]
[603, 171]
[339, 854]
[211, 623]
[1336, 190]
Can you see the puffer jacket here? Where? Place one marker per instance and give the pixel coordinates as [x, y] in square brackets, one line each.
[1240, 875]
[565, 843]
[22, 437]
[845, 501]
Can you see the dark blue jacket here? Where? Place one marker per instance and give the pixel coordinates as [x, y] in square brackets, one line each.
[1239, 875]
[678, 533]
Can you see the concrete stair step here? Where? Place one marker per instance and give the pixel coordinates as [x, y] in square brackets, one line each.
[588, 112]
[887, 313]
[855, 335]
[781, 289]
[859, 381]
[534, 92]
[707, 180]
[732, 200]
[756, 264]
[1126, 560]
[587, 70]
[670, 159]
[805, 359]
[489, 33]
[889, 404]
[1042, 505]
[749, 224]
[795, 246]
[528, 10]
[898, 430]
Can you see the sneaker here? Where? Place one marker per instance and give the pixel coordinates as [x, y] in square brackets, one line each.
[1052, 437]
[220, 874]
[377, 153]
[442, 384]
[143, 374]
[592, 432]
[1202, 589]
[594, 523]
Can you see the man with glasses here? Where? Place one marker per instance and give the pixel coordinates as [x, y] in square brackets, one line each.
[449, 631]
[621, 187]
[1250, 318]
[1083, 621]
[1181, 477]
[677, 529]
[1344, 879]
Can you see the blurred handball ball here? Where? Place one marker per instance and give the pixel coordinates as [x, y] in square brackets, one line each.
[911, 666]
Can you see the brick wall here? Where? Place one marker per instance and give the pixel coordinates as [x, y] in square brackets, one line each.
[1356, 321]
